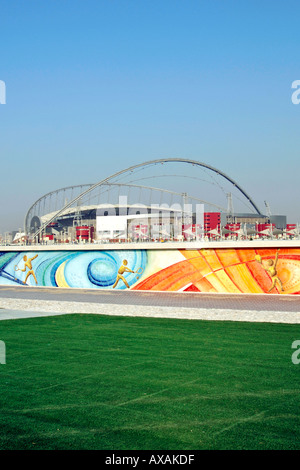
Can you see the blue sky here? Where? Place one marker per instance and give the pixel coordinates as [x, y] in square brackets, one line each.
[95, 86]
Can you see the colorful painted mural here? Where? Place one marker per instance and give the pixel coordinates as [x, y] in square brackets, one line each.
[232, 270]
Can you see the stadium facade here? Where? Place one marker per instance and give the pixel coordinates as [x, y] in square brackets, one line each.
[123, 208]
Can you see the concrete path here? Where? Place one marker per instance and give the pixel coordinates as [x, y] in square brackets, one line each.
[24, 302]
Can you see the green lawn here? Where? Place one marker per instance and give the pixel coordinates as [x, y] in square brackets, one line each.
[101, 382]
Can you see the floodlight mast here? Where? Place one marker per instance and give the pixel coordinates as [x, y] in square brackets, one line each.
[139, 165]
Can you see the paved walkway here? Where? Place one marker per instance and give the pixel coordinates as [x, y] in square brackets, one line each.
[24, 302]
[270, 302]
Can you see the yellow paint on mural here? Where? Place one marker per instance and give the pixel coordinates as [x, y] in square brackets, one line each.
[228, 257]
[289, 273]
[216, 282]
[198, 262]
[60, 276]
[212, 259]
[227, 282]
[242, 278]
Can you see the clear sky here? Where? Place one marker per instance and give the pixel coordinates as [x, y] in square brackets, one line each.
[95, 86]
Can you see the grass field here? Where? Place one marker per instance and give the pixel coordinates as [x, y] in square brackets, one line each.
[103, 382]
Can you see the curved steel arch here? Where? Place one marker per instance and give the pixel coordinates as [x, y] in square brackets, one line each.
[56, 191]
[149, 163]
[164, 191]
[50, 194]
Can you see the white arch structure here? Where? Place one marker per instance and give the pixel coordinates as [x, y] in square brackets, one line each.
[145, 164]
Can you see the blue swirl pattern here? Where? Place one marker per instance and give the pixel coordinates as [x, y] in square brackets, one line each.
[82, 269]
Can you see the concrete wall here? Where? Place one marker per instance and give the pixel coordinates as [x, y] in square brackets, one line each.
[246, 267]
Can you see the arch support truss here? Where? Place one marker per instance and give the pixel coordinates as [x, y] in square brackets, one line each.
[145, 164]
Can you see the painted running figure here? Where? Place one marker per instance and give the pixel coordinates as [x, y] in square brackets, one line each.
[29, 266]
[121, 271]
[271, 269]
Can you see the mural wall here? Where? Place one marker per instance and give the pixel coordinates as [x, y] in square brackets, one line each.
[206, 270]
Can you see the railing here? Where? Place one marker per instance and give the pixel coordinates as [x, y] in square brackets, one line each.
[144, 241]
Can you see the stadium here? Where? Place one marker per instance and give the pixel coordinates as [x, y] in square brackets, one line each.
[168, 199]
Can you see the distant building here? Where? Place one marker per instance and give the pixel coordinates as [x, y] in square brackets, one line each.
[212, 223]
